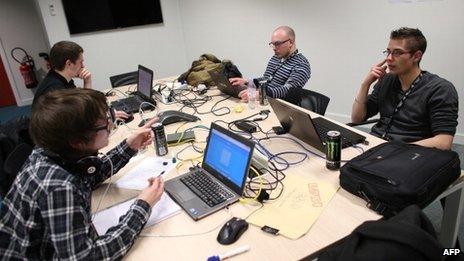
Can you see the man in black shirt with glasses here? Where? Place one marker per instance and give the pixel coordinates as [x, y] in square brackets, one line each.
[414, 105]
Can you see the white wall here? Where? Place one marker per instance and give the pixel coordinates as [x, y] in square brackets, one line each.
[341, 39]
[159, 47]
[20, 27]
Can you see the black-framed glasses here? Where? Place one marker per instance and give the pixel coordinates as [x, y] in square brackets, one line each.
[278, 43]
[395, 53]
[110, 119]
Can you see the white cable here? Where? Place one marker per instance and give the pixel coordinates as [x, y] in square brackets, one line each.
[107, 187]
[193, 234]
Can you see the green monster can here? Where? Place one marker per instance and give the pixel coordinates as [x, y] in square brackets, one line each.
[333, 149]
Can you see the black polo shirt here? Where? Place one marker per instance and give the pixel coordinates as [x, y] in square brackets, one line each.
[430, 109]
[53, 81]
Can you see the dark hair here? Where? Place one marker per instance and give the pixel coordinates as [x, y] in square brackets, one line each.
[415, 39]
[63, 51]
[62, 117]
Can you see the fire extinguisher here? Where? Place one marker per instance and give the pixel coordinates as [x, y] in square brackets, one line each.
[26, 69]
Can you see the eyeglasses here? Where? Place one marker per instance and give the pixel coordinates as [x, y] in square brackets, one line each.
[395, 53]
[277, 43]
[110, 119]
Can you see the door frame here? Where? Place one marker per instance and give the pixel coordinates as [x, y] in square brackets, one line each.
[9, 74]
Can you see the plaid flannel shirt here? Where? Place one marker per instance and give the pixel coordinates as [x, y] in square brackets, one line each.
[47, 213]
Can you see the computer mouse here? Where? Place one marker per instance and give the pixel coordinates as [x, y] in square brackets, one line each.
[232, 230]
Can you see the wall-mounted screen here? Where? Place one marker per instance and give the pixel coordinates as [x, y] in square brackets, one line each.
[95, 15]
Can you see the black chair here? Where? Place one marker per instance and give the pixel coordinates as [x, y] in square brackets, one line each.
[352, 124]
[124, 79]
[308, 99]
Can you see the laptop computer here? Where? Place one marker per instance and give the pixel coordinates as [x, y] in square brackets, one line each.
[143, 94]
[224, 85]
[312, 131]
[220, 180]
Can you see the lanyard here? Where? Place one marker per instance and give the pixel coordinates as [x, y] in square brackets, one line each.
[400, 104]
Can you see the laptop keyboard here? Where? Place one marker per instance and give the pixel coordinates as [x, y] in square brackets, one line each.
[132, 103]
[206, 188]
[322, 130]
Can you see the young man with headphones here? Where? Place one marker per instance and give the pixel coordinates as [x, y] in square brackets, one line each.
[47, 212]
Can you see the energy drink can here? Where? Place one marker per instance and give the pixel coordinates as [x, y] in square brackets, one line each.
[333, 149]
[161, 146]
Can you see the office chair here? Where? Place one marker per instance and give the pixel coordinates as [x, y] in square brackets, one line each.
[308, 99]
[123, 79]
[352, 124]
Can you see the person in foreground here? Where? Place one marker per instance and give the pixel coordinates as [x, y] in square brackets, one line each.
[47, 212]
[286, 69]
[415, 106]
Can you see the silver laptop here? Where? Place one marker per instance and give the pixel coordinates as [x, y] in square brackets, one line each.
[224, 85]
[220, 180]
[144, 93]
[312, 131]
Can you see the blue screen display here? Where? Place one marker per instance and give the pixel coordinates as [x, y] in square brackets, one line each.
[227, 156]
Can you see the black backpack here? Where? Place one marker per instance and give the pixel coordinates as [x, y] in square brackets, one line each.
[406, 236]
[394, 175]
[15, 147]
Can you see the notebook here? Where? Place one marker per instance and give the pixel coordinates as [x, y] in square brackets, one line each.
[220, 180]
[143, 93]
[224, 85]
[312, 131]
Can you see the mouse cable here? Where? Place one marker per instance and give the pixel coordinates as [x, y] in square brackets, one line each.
[229, 215]
[141, 111]
[108, 93]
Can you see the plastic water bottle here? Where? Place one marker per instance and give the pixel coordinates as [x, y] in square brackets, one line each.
[251, 97]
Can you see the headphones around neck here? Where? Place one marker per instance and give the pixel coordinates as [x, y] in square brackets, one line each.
[85, 166]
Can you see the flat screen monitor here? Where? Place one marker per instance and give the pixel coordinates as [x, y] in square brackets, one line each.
[90, 15]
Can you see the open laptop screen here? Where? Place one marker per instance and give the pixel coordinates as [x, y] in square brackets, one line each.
[228, 157]
[145, 81]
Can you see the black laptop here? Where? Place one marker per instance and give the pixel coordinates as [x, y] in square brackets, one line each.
[224, 85]
[143, 94]
[312, 131]
[220, 180]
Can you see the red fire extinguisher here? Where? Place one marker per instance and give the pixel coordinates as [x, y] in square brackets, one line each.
[26, 69]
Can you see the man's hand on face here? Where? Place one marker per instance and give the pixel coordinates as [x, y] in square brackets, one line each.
[376, 72]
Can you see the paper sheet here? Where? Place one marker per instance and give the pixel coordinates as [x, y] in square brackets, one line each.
[137, 177]
[107, 218]
[298, 208]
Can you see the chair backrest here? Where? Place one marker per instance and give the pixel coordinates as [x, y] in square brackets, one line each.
[124, 79]
[308, 99]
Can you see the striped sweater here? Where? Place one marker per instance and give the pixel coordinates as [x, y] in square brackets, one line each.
[292, 72]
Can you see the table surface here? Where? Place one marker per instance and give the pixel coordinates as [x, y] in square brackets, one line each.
[181, 238]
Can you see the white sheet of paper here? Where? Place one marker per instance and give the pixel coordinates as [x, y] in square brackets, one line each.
[137, 177]
[107, 218]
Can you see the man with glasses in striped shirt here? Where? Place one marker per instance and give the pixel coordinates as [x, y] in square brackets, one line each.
[287, 68]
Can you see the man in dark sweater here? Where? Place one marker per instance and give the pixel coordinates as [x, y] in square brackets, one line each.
[67, 62]
[414, 105]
